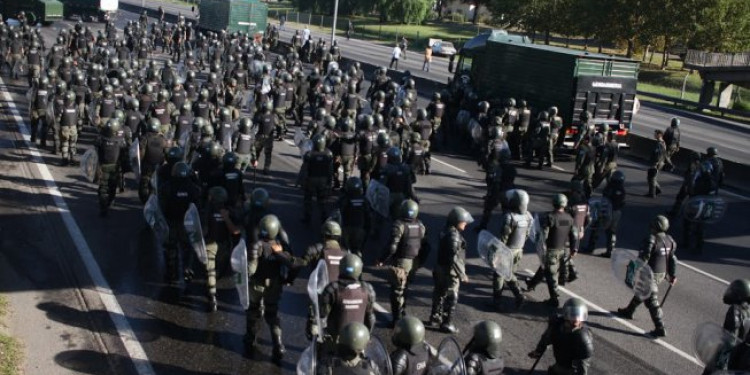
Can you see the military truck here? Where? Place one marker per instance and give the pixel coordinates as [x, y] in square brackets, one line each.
[44, 11]
[91, 10]
[248, 16]
[498, 66]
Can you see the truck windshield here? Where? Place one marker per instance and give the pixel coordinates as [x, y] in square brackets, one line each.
[464, 66]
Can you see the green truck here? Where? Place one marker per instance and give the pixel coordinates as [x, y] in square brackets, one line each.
[498, 66]
[249, 16]
[44, 11]
[91, 10]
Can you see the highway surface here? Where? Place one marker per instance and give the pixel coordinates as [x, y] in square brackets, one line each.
[88, 293]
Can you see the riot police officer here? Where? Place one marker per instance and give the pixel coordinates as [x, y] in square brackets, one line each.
[606, 160]
[350, 353]
[737, 296]
[347, 299]
[584, 164]
[571, 340]
[152, 156]
[69, 123]
[658, 251]
[266, 122]
[266, 260]
[399, 178]
[656, 162]
[407, 247]
[484, 354]
[516, 224]
[557, 227]
[219, 232]
[316, 176]
[672, 141]
[175, 199]
[244, 145]
[412, 352]
[500, 180]
[450, 269]
[109, 147]
[615, 192]
[40, 99]
[355, 216]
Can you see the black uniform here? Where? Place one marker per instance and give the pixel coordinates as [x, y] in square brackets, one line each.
[573, 349]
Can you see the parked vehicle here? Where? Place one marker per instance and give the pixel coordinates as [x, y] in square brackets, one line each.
[44, 11]
[250, 16]
[91, 10]
[441, 47]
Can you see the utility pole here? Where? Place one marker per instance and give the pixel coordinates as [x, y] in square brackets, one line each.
[335, 15]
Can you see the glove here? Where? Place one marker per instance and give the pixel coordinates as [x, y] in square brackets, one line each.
[535, 354]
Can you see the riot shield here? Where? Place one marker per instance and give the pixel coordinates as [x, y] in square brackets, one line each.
[707, 209]
[495, 254]
[89, 164]
[154, 182]
[134, 153]
[462, 119]
[91, 107]
[632, 273]
[155, 219]
[226, 140]
[378, 356]
[241, 276]
[536, 239]
[302, 142]
[194, 232]
[306, 147]
[713, 345]
[308, 360]
[315, 285]
[475, 130]
[600, 209]
[379, 197]
[183, 141]
[449, 360]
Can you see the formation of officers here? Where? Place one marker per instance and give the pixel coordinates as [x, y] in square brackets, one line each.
[208, 112]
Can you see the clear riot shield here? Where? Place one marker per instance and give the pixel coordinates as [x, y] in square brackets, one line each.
[302, 142]
[632, 273]
[92, 115]
[155, 219]
[378, 356]
[536, 239]
[134, 154]
[194, 232]
[713, 345]
[707, 209]
[307, 364]
[241, 276]
[315, 285]
[226, 140]
[89, 164]
[495, 254]
[50, 112]
[154, 182]
[184, 141]
[462, 118]
[379, 198]
[600, 209]
[475, 130]
[449, 360]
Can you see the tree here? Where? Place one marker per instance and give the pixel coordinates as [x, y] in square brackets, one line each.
[410, 11]
[723, 26]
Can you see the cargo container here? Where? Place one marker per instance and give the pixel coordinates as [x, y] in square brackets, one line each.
[91, 10]
[500, 66]
[44, 11]
[249, 16]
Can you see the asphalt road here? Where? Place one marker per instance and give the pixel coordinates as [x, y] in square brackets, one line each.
[162, 329]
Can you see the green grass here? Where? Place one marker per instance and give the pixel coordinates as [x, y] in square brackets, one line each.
[10, 348]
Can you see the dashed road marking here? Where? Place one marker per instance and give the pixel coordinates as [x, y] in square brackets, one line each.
[448, 165]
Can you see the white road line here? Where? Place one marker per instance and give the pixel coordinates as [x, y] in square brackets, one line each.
[102, 288]
[740, 196]
[448, 165]
[561, 169]
[629, 325]
[704, 273]
[379, 308]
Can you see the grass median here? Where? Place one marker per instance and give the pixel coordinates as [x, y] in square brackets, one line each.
[10, 348]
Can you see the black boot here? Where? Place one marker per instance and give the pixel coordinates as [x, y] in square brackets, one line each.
[627, 312]
[447, 326]
[278, 347]
[517, 294]
[212, 304]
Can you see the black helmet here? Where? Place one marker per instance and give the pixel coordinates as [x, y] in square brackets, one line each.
[350, 266]
[409, 331]
[229, 160]
[409, 209]
[459, 215]
[436, 96]
[618, 177]
[487, 338]
[559, 200]
[394, 155]
[246, 125]
[543, 116]
[712, 151]
[353, 340]
[319, 141]
[218, 195]
[383, 140]
[510, 102]
[175, 154]
[111, 128]
[320, 114]
[154, 125]
[354, 186]
[660, 224]
[737, 292]
[421, 114]
[675, 122]
[331, 229]
[259, 197]
[269, 227]
[483, 106]
[575, 309]
[217, 151]
[181, 170]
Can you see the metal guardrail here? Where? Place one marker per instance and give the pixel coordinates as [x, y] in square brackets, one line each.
[702, 59]
[688, 103]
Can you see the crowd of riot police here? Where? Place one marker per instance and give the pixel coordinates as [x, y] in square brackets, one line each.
[205, 115]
